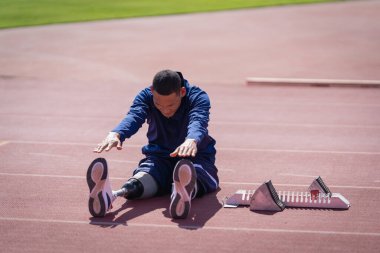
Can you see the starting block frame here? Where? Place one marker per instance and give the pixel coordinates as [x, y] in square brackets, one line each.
[266, 198]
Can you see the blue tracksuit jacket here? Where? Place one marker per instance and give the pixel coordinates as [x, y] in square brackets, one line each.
[166, 134]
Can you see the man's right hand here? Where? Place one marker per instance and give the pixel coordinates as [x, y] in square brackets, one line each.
[112, 140]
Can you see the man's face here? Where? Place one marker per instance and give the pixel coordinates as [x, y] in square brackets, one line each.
[168, 104]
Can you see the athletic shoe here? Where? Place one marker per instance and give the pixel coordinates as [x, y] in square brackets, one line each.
[184, 185]
[101, 197]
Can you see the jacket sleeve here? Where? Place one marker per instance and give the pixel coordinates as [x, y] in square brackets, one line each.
[136, 116]
[198, 116]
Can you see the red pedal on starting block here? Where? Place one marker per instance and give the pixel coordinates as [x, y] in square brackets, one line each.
[266, 198]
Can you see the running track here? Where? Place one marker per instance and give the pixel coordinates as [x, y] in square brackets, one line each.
[64, 86]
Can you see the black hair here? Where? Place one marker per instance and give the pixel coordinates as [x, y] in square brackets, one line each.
[168, 81]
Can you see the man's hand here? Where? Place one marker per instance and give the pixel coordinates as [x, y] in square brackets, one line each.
[112, 140]
[188, 148]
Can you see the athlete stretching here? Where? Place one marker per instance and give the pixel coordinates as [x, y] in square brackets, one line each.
[179, 156]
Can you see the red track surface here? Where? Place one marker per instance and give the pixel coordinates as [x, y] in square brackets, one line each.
[64, 86]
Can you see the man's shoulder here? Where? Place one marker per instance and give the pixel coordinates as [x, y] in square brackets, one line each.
[195, 93]
[193, 89]
[145, 93]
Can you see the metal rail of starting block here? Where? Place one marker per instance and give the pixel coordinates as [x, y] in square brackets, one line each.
[266, 198]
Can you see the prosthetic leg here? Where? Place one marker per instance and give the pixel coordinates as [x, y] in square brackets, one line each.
[266, 198]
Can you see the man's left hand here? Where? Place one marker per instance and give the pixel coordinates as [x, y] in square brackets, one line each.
[188, 148]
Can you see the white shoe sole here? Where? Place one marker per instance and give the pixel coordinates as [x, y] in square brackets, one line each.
[184, 178]
[97, 180]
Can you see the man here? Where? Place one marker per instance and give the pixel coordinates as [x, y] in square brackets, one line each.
[177, 114]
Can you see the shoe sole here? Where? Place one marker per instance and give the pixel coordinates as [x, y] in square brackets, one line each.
[184, 178]
[96, 177]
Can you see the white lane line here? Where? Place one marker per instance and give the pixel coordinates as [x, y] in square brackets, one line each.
[301, 185]
[3, 143]
[226, 170]
[297, 175]
[51, 176]
[40, 175]
[215, 228]
[234, 123]
[49, 155]
[297, 104]
[218, 122]
[123, 161]
[245, 123]
[222, 182]
[66, 143]
[299, 151]
[61, 117]
[219, 148]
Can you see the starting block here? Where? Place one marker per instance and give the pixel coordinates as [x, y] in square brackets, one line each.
[266, 198]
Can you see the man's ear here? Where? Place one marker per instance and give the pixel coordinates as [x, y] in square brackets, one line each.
[182, 80]
[183, 92]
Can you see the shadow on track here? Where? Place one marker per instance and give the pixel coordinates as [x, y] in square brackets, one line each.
[202, 210]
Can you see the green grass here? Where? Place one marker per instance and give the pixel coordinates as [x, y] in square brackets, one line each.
[15, 13]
